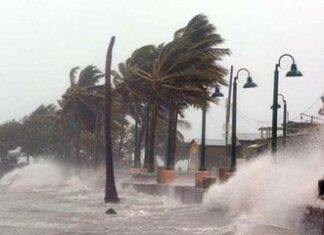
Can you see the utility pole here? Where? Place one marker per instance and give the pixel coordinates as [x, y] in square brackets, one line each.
[228, 112]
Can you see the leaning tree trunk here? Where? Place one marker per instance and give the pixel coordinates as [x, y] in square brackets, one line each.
[151, 165]
[110, 190]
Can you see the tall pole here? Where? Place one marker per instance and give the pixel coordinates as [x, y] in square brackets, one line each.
[285, 122]
[233, 153]
[203, 135]
[228, 104]
[275, 110]
[227, 115]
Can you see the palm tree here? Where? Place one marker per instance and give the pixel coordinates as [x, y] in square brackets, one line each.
[135, 93]
[181, 70]
[111, 194]
[80, 104]
[39, 130]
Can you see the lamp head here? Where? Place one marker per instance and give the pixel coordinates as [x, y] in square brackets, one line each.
[217, 93]
[249, 83]
[294, 72]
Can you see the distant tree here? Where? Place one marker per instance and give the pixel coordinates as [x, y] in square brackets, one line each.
[10, 136]
[36, 133]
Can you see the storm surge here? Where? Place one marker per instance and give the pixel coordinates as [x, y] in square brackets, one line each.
[48, 174]
[38, 174]
[272, 192]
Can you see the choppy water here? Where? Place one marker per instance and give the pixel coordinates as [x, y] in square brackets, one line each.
[263, 198]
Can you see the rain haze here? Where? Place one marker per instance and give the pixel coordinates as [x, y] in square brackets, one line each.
[42, 40]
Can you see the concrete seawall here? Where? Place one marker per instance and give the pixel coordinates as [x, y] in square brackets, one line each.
[184, 193]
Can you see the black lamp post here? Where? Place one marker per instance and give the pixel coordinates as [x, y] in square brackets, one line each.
[284, 118]
[217, 93]
[292, 73]
[249, 84]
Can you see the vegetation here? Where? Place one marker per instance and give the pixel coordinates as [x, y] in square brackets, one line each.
[151, 89]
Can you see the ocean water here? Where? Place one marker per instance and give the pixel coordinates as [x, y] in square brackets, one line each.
[264, 197]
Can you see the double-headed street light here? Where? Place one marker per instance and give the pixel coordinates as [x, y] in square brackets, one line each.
[217, 93]
[292, 73]
[249, 84]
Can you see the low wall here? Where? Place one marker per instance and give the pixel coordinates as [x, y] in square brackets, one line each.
[185, 194]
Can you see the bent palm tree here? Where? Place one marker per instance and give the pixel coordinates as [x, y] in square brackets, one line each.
[79, 104]
[110, 189]
[182, 69]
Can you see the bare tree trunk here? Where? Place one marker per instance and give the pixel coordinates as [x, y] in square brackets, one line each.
[110, 190]
[121, 142]
[96, 140]
[77, 144]
[147, 132]
[168, 159]
[151, 156]
[174, 137]
[138, 142]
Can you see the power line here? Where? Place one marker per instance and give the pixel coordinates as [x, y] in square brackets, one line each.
[311, 106]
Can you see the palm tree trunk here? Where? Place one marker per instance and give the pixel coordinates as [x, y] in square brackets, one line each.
[65, 142]
[110, 189]
[147, 135]
[137, 150]
[174, 137]
[151, 165]
[121, 142]
[77, 144]
[96, 143]
[168, 159]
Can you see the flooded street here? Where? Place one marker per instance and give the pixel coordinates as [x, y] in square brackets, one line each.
[73, 207]
[61, 203]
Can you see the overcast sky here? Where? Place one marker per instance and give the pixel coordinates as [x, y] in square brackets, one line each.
[41, 41]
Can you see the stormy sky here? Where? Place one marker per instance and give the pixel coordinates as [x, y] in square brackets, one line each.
[41, 40]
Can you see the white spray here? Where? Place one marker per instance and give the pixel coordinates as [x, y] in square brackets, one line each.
[270, 192]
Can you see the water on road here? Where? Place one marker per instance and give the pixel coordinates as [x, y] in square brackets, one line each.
[44, 198]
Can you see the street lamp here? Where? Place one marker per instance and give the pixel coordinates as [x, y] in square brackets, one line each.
[284, 118]
[249, 84]
[217, 93]
[292, 73]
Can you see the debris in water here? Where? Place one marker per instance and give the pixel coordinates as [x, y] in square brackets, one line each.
[111, 211]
